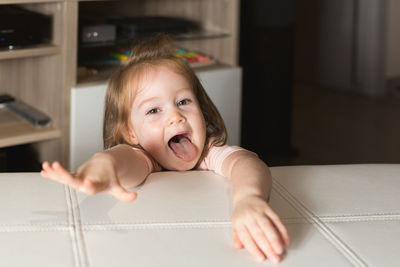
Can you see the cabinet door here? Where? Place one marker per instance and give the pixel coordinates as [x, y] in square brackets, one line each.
[86, 131]
[224, 87]
[87, 111]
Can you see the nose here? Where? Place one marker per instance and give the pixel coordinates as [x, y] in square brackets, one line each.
[175, 116]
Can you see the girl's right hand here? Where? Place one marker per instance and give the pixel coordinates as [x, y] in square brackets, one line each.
[94, 176]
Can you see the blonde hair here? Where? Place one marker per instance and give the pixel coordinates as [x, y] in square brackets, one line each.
[119, 97]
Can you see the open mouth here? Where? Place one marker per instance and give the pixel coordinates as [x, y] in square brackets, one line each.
[182, 147]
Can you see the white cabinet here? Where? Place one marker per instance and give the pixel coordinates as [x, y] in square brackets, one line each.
[86, 126]
[223, 85]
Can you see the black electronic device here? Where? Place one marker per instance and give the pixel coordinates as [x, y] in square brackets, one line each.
[98, 33]
[22, 27]
[138, 27]
[94, 28]
[6, 98]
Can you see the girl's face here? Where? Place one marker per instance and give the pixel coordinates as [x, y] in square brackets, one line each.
[166, 120]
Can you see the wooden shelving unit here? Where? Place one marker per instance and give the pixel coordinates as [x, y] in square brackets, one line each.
[40, 50]
[217, 20]
[37, 75]
[43, 76]
[5, 2]
[17, 131]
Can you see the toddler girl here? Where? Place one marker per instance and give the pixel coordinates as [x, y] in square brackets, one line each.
[159, 117]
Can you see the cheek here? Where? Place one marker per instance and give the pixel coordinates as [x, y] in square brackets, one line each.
[150, 135]
[201, 121]
[200, 126]
[143, 127]
[153, 143]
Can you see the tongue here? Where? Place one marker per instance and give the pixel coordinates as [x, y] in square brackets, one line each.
[183, 149]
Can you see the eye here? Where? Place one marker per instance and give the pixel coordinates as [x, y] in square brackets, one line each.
[184, 102]
[153, 111]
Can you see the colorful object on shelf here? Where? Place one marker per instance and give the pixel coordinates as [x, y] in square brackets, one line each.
[122, 54]
[191, 57]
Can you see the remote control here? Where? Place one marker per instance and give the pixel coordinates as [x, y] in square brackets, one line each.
[5, 98]
[34, 116]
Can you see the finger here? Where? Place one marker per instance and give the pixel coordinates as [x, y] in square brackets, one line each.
[249, 244]
[272, 235]
[122, 194]
[48, 171]
[45, 165]
[263, 241]
[45, 169]
[280, 226]
[64, 176]
[236, 240]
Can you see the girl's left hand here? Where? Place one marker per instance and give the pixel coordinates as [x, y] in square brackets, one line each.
[259, 229]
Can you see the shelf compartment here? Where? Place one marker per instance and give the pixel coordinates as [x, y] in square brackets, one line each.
[28, 1]
[105, 74]
[16, 131]
[189, 36]
[34, 51]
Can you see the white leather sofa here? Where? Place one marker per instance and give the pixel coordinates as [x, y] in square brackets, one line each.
[343, 215]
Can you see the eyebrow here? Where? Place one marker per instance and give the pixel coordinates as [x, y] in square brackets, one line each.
[147, 100]
[157, 97]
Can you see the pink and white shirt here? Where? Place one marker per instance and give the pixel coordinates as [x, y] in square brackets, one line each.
[212, 162]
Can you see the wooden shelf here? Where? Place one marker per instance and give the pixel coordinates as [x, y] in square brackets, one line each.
[39, 50]
[14, 130]
[128, 42]
[104, 75]
[28, 1]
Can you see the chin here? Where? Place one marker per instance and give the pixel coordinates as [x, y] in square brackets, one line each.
[181, 166]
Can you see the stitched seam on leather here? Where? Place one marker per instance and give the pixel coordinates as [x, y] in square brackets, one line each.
[157, 221]
[295, 221]
[175, 224]
[339, 244]
[36, 225]
[70, 215]
[364, 214]
[155, 226]
[80, 245]
[368, 217]
[31, 228]
[359, 218]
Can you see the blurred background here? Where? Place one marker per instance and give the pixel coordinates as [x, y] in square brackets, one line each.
[321, 81]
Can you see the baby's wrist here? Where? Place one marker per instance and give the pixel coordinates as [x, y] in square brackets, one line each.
[238, 199]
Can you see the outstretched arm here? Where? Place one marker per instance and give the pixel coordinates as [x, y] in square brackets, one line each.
[109, 171]
[255, 225]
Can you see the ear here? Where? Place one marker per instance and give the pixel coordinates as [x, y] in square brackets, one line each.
[130, 136]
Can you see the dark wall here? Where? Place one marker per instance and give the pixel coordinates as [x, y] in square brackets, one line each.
[267, 37]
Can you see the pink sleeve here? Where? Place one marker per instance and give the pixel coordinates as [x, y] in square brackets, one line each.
[216, 156]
